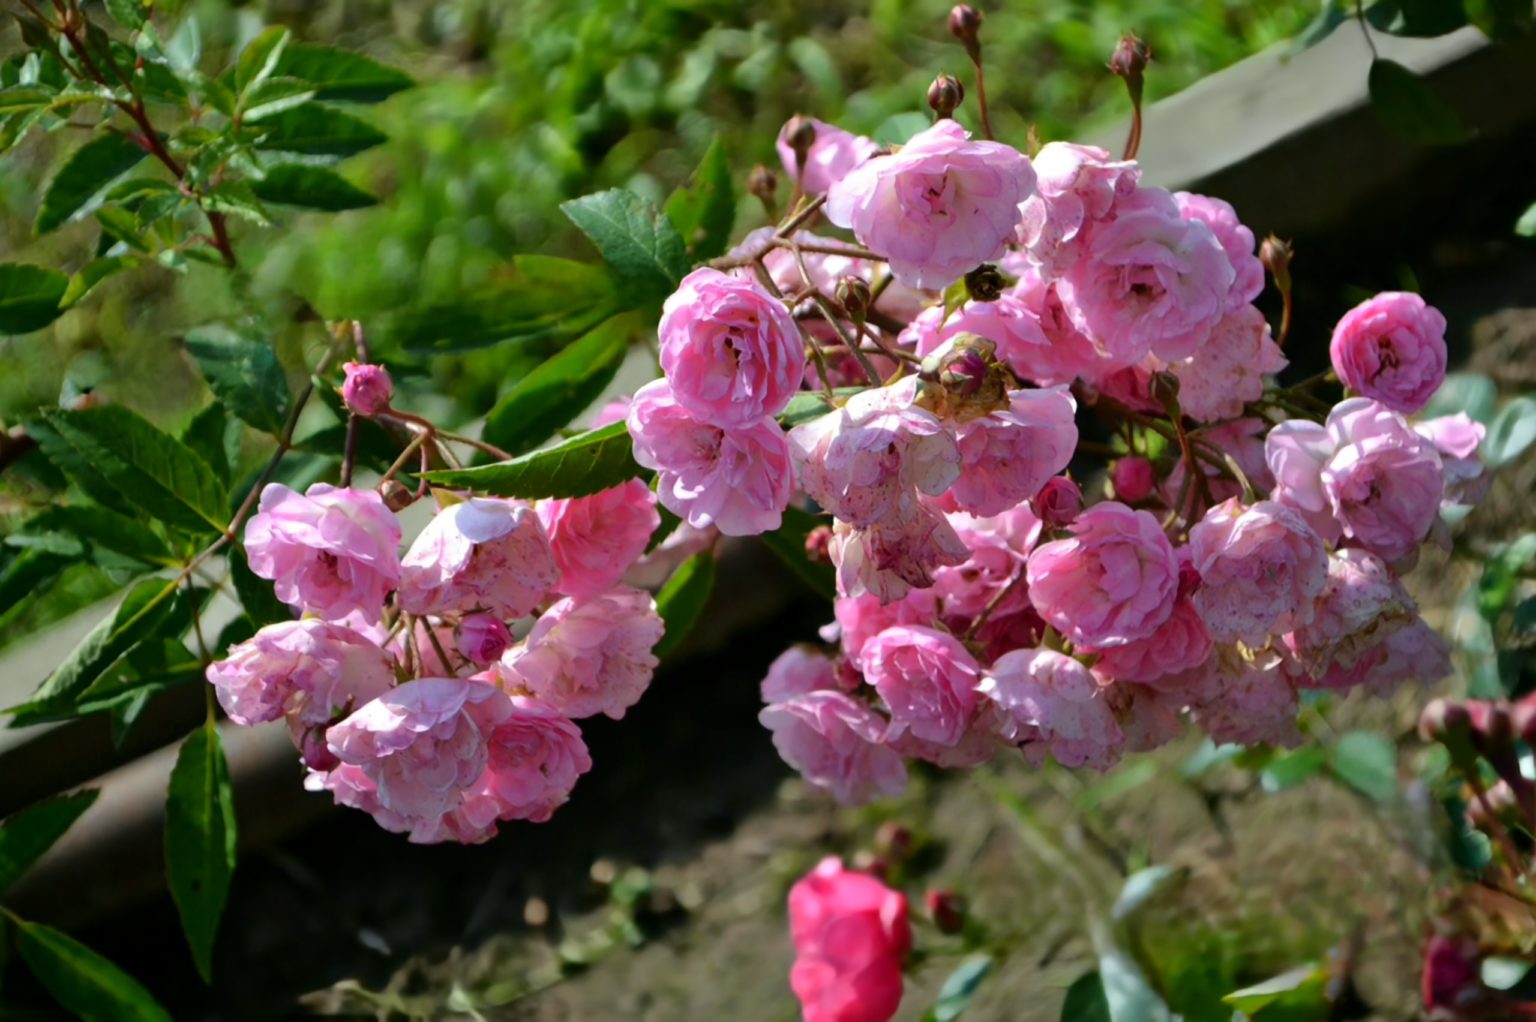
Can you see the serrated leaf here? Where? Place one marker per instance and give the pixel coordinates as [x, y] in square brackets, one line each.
[237, 199]
[1085, 1000]
[273, 96]
[644, 249]
[559, 389]
[83, 981]
[1407, 105]
[29, 297]
[93, 273]
[259, 59]
[1513, 430]
[206, 435]
[310, 187]
[340, 75]
[683, 598]
[200, 841]
[317, 130]
[582, 465]
[1366, 762]
[27, 834]
[244, 374]
[83, 175]
[704, 210]
[128, 13]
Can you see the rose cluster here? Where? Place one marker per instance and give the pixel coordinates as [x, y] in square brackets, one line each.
[402, 684]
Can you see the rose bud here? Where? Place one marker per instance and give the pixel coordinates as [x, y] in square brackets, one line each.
[985, 283]
[1058, 503]
[482, 638]
[397, 496]
[367, 389]
[1276, 255]
[965, 23]
[854, 296]
[800, 133]
[763, 183]
[818, 544]
[945, 95]
[1130, 58]
[946, 909]
[1133, 478]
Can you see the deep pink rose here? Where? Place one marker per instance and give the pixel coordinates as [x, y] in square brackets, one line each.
[590, 656]
[1362, 603]
[1261, 569]
[1181, 643]
[938, 207]
[1076, 186]
[1008, 455]
[328, 552]
[927, 679]
[888, 560]
[596, 538]
[850, 933]
[367, 389]
[1052, 706]
[1067, 353]
[536, 757]
[482, 639]
[1228, 372]
[479, 554]
[1391, 348]
[1058, 503]
[730, 350]
[837, 744]
[1133, 478]
[737, 480]
[831, 156]
[1110, 583]
[861, 618]
[1236, 241]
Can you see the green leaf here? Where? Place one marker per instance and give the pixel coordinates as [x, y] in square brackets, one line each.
[1127, 993]
[1525, 227]
[200, 840]
[257, 598]
[1289, 769]
[1497, 585]
[86, 172]
[809, 405]
[340, 75]
[1511, 432]
[1472, 393]
[237, 199]
[582, 465]
[1500, 19]
[1085, 1000]
[536, 298]
[273, 96]
[26, 835]
[1306, 985]
[184, 49]
[560, 389]
[93, 273]
[1143, 887]
[959, 988]
[294, 184]
[641, 245]
[206, 435]
[1503, 973]
[97, 526]
[259, 59]
[1367, 762]
[704, 210]
[788, 541]
[683, 598]
[117, 456]
[87, 984]
[18, 98]
[244, 374]
[29, 297]
[1407, 105]
[128, 13]
[317, 130]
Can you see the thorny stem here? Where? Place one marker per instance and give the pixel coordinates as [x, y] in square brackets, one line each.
[799, 217]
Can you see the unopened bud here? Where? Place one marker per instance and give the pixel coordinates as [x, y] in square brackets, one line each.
[818, 545]
[367, 389]
[893, 841]
[1524, 718]
[853, 295]
[1276, 254]
[985, 283]
[945, 95]
[1493, 731]
[763, 183]
[482, 638]
[963, 380]
[1164, 389]
[1130, 58]
[1450, 724]
[1189, 578]
[397, 496]
[800, 133]
[965, 23]
[946, 909]
[1133, 478]
[316, 752]
[1058, 503]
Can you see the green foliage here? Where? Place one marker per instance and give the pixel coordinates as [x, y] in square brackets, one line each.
[645, 251]
[293, 184]
[683, 598]
[81, 980]
[582, 465]
[1367, 762]
[558, 390]
[704, 209]
[86, 173]
[1085, 1000]
[200, 840]
[788, 542]
[30, 297]
[1512, 431]
[244, 375]
[26, 835]
[959, 989]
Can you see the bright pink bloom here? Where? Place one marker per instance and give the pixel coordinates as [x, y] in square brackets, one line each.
[1076, 186]
[596, 538]
[1181, 643]
[1133, 478]
[938, 208]
[591, 656]
[1261, 568]
[888, 560]
[995, 565]
[367, 389]
[1052, 705]
[1361, 605]
[1236, 241]
[796, 671]
[861, 618]
[1009, 454]
[831, 156]
[1111, 583]
[730, 349]
[1067, 353]
[737, 480]
[328, 552]
[482, 639]
[836, 743]
[1228, 372]
[1391, 348]
[479, 554]
[850, 933]
[927, 679]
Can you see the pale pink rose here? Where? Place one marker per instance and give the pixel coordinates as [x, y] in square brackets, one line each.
[328, 552]
[367, 389]
[836, 743]
[1415, 653]
[596, 538]
[1228, 372]
[888, 560]
[1391, 348]
[1295, 452]
[796, 671]
[831, 156]
[1008, 455]
[927, 680]
[1110, 583]
[614, 411]
[482, 639]
[312, 672]
[1149, 716]
[1076, 186]
[1150, 281]
[1457, 439]
[1361, 605]
[861, 618]
[590, 656]
[737, 480]
[1052, 705]
[850, 933]
[938, 208]
[1261, 569]
[1067, 354]
[730, 350]
[1236, 241]
[1384, 482]
[1009, 323]
[1246, 700]
[479, 554]
[867, 461]
[536, 757]
[1133, 479]
[1058, 503]
[993, 571]
[1181, 643]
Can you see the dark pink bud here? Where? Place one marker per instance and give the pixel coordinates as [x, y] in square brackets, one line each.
[1130, 58]
[482, 638]
[1058, 503]
[818, 544]
[762, 183]
[945, 95]
[1133, 478]
[1189, 578]
[964, 23]
[317, 754]
[367, 389]
[946, 909]
[893, 840]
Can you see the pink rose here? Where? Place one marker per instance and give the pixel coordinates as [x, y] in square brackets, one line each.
[1133, 479]
[482, 639]
[850, 934]
[1009, 454]
[1261, 568]
[730, 350]
[1245, 700]
[927, 680]
[1181, 643]
[596, 538]
[1058, 503]
[888, 560]
[536, 757]
[1457, 439]
[861, 618]
[479, 554]
[1076, 186]
[836, 743]
[738, 480]
[1111, 583]
[1228, 372]
[831, 156]
[1067, 354]
[938, 208]
[796, 671]
[1414, 653]
[1391, 348]
[1383, 482]
[591, 656]
[993, 571]
[1051, 705]
[367, 389]
[1236, 241]
[327, 552]
[1009, 322]
[1362, 603]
